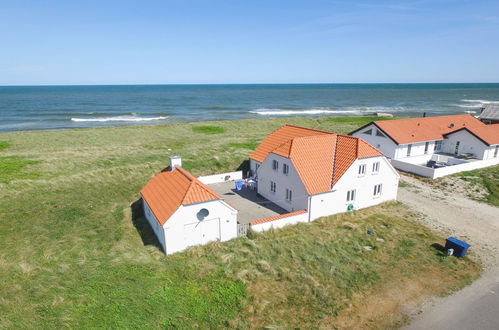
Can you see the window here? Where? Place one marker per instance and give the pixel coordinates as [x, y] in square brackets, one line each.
[275, 165]
[273, 187]
[409, 148]
[456, 151]
[438, 145]
[496, 151]
[368, 132]
[285, 169]
[376, 168]
[350, 195]
[289, 194]
[378, 133]
[426, 146]
[377, 190]
[362, 169]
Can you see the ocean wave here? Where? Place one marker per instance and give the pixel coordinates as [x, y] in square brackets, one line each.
[470, 111]
[282, 112]
[468, 106]
[480, 101]
[118, 118]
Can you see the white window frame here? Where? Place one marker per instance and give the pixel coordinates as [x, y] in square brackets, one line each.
[376, 168]
[377, 190]
[351, 195]
[496, 151]
[275, 165]
[285, 169]
[289, 195]
[273, 187]
[362, 169]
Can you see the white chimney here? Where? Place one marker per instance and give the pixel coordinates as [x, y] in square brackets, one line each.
[175, 161]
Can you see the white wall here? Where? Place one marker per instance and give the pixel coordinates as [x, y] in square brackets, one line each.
[175, 230]
[467, 144]
[222, 177]
[417, 149]
[279, 223]
[290, 181]
[443, 171]
[335, 201]
[253, 166]
[156, 227]
[384, 144]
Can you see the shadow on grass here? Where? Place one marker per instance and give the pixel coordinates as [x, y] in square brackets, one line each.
[143, 227]
[440, 249]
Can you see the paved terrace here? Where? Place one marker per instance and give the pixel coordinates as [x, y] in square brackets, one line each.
[250, 206]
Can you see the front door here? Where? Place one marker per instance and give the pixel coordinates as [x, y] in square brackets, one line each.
[202, 232]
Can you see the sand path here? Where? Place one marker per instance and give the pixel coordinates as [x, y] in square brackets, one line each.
[476, 306]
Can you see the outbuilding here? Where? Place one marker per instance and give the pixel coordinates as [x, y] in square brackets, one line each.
[184, 212]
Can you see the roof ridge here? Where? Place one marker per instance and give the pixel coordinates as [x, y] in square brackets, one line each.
[307, 128]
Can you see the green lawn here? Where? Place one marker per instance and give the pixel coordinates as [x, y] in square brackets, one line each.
[75, 252]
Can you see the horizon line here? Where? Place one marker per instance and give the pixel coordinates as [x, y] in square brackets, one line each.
[235, 84]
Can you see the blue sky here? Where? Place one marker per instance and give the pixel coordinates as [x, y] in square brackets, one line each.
[142, 42]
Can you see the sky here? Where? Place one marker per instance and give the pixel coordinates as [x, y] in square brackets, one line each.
[258, 41]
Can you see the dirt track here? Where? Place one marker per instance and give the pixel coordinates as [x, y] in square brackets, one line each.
[477, 223]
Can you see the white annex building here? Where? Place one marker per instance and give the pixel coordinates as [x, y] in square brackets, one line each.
[183, 211]
[435, 146]
[315, 173]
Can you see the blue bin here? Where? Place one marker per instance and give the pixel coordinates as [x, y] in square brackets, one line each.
[460, 247]
[239, 184]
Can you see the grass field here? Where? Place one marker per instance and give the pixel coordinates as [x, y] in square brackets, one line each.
[75, 252]
[487, 178]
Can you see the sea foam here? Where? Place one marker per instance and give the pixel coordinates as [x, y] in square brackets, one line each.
[281, 112]
[118, 118]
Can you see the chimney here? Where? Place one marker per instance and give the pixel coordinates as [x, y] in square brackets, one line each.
[424, 114]
[175, 161]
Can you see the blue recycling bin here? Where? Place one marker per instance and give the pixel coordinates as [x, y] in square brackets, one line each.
[239, 184]
[460, 247]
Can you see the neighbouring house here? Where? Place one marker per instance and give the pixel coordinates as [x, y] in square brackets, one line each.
[435, 146]
[183, 211]
[314, 173]
[490, 114]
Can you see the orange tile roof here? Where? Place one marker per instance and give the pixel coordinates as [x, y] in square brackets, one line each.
[488, 134]
[320, 159]
[411, 130]
[167, 191]
[277, 217]
[279, 137]
[313, 159]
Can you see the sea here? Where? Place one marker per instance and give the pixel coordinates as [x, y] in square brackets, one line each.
[57, 107]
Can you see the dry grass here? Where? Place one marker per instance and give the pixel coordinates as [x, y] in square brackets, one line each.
[75, 255]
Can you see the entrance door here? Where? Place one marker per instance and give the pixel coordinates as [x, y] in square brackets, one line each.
[456, 151]
[210, 230]
[202, 232]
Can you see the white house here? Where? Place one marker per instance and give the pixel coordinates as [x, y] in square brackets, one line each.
[434, 146]
[320, 173]
[183, 211]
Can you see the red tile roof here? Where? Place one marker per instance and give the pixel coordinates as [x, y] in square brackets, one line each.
[167, 191]
[279, 137]
[320, 159]
[277, 217]
[412, 130]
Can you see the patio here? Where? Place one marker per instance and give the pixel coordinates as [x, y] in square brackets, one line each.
[250, 206]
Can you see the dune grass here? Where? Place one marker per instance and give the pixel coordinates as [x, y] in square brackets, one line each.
[4, 145]
[208, 129]
[487, 178]
[76, 252]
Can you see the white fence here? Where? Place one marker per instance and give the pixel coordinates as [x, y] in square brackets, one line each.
[216, 178]
[443, 171]
[280, 221]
